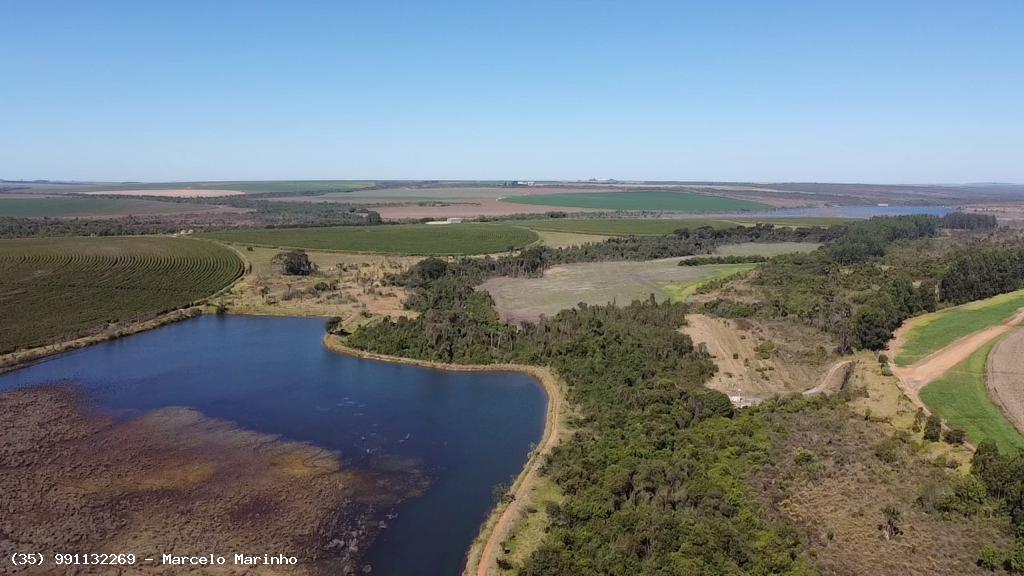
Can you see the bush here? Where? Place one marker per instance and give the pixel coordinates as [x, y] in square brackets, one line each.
[932, 428]
[955, 436]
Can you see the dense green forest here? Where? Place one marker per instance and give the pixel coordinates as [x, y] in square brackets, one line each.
[1003, 477]
[877, 273]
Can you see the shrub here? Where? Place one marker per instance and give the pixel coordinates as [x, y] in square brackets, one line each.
[955, 436]
[932, 428]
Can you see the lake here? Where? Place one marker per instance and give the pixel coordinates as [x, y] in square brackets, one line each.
[466, 431]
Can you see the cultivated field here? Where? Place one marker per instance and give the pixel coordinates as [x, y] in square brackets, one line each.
[58, 288]
[934, 332]
[413, 239]
[598, 283]
[961, 398]
[246, 186]
[641, 200]
[1004, 377]
[658, 226]
[171, 193]
[80, 207]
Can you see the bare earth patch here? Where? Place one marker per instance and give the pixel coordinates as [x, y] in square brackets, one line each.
[1005, 367]
[171, 193]
[755, 361]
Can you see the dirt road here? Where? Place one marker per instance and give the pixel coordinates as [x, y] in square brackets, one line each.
[915, 377]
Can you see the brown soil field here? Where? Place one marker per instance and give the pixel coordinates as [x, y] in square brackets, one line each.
[1004, 379]
[757, 360]
[352, 286]
[173, 481]
[827, 477]
[170, 193]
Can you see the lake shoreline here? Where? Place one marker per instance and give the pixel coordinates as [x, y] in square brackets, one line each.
[483, 553]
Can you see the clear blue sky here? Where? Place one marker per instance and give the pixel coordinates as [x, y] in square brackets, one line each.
[894, 91]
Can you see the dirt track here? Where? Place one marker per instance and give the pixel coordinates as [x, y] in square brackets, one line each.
[918, 375]
[1003, 376]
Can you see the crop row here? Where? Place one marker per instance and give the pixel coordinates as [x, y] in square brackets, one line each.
[53, 289]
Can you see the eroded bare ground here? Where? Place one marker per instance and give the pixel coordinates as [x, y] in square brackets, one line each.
[757, 360]
[835, 473]
[1006, 376]
[174, 481]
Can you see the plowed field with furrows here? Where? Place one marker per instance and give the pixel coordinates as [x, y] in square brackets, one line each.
[53, 289]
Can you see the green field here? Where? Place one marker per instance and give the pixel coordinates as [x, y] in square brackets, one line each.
[78, 206]
[59, 288]
[413, 239]
[934, 332]
[657, 226]
[680, 291]
[961, 398]
[641, 200]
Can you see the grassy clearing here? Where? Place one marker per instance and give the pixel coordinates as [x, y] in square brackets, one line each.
[658, 227]
[59, 288]
[766, 248]
[640, 200]
[414, 239]
[595, 283]
[961, 398]
[680, 291]
[934, 332]
[97, 207]
[529, 532]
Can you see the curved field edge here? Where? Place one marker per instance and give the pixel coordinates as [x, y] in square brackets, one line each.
[1003, 376]
[399, 239]
[933, 332]
[483, 554]
[54, 290]
[961, 397]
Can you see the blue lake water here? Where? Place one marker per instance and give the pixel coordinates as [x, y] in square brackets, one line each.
[468, 431]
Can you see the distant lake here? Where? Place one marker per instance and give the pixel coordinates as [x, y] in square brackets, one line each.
[467, 431]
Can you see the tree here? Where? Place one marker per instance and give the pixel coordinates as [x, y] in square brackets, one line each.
[295, 263]
[933, 428]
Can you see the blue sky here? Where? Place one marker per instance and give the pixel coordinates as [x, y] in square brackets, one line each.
[895, 91]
